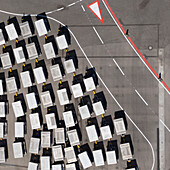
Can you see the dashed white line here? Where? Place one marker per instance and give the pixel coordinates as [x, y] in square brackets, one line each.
[83, 8]
[118, 67]
[60, 9]
[71, 4]
[164, 125]
[141, 97]
[98, 35]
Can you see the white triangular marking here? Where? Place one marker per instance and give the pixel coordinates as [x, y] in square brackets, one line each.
[95, 8]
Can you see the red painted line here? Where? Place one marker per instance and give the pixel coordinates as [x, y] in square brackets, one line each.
[132, 43]
[115, 16]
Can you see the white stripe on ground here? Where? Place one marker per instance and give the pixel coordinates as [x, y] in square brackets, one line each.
[83, 8]
[118, 67]
[98, 35]
[10, 13]
[141, 97]
[165, 125]
[134, 48]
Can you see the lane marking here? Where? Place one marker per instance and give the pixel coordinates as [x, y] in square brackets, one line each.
[118, 67]
[131, 43]
[165, 125]
[83, 8]
[71, 4]
[153, 155]
[141, 97]
[98, 35]
[60, 9]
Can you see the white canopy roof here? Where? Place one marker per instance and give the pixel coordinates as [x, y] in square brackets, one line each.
[63, 97]
[126, 151]
[2, 154]
[106, 132]
[11, 31]
[57, 167]
[32, 166]
[25, 29]
[34, 145]
[73, 137]
[68, 119]
[17, 149]
[56, 72]
[69, 66]
[17, 108]
[119, 126]
[84, 159]
[84, 112]
[98, 108]
[46, 99]
[31, 100]
[92, 133]
[11, 85]
[61, 42]
[77, 91]
[89, 84]
[2, 40]
[1, 129]
[49, 50]
[131, 169]
[59, 135]
[45, 163]
[1, 88]
[98, 158]
[51, 122]
[41, 28]
[26, 79]
[71, 166]
[45, 139]
[57, 153]
[35, 121]
[111, 157]
[19, 55]
[70, 155]
[39, 75]
[2, 109]
[6, 61]
[32, 51]
[19, 129]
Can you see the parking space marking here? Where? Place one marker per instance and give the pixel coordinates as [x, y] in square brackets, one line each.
[98, 35]
[165, 125]
[83, 8]
[118, 67]
[141, 97]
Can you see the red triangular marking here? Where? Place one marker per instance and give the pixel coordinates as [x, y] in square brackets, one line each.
[97, 1]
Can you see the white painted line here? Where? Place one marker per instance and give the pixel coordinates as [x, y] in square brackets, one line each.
[118, 67]
[100, 80]
[165, 125]
[98, 35]
[71, 4]
[141, 97]
[83, 8]
[60, 9]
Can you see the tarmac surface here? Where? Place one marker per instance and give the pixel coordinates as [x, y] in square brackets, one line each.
[148, 24]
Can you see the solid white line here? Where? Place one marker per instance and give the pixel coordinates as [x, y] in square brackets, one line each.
[100, 80]
[83, 8]
[134, 48]
[141, 97]
[60, 9]
[71, 4]
[98, 35]
[118, 67]
[165, 125]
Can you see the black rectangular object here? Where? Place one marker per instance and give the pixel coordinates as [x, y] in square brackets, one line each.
[8, 49]
[59, 62]
[100, 97]
[121, 114]
[20, 97]
[36, 134]
[37, 44]
[33, 89]
[28, 67]
[107, 120]
[2, 27]
[3, 143]
[16, 24]
[53, 109]
[48, 87]
[77, 127]
[86, 148]
[53, 41]
[91, 72]
[79, 79]
[93, 121]
[132, 164]
[98, 146]
[65, 85]
[72, 55]
[63, 30]
[85, 100]
[22, 44]
[70, 107]
[35, 158]
[30, 22]
[112, 146]
[42, 64]
[14, 73]
[2, 77]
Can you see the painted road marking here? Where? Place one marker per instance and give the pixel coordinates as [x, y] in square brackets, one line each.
[141, 97]
[98, 35]
[83, 8]
[118, 67]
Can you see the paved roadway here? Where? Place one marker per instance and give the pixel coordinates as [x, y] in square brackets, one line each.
[142, 19]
